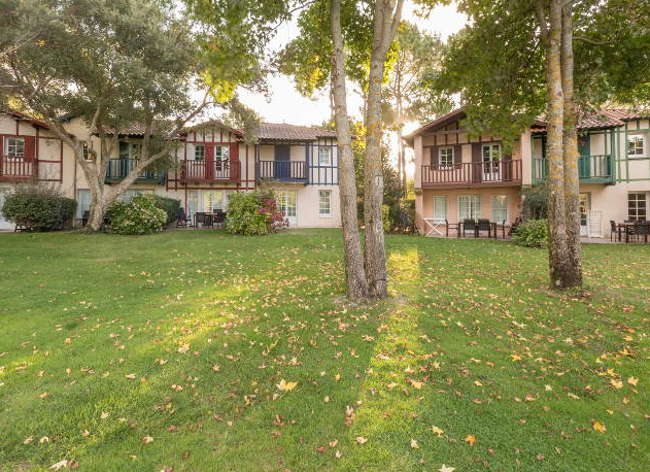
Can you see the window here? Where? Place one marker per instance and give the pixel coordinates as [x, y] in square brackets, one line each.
[324, 203]
[324, 156]
[499, 208]
[469, 207]
[221, 153]
[130, 150]
[636, 145]
[128, 195]
[199, 152]
[83, 202]
[439, 209]
[213, 201]
[636, 207]
[446, 156]
[287, 203]
[15, 147]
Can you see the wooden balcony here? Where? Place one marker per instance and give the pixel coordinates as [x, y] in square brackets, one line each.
[596, 169]
[502, 173]
[17, 169]
[118, 169]
[207, 172]
[283, 171]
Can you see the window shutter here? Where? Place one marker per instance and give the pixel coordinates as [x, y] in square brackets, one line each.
[30, 148]
[433, 157]
[458, 154]
[235, 169]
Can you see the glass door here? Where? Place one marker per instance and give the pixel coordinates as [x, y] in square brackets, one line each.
[287, 203]
[491, 156]
[585, 206]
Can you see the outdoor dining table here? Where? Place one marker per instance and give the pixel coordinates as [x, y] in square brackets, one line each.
[626, 229]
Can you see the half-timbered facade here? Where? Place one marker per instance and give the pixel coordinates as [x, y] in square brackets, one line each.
[460, 176]
[211, 160]
[31, 153]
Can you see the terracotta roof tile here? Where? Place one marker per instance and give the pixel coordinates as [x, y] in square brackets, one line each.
[286, 132]
[605, 118]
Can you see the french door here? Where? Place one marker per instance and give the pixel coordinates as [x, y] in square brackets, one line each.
[491, 156]
[585, 207]
[288, 205]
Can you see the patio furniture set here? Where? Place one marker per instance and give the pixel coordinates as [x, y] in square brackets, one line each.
[476, 228]
[201, 219]
[630, 231]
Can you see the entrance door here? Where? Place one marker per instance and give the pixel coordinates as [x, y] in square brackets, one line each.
[287, 203]
[491, 157]
[282, 161]
[4, 224]
[584, 162]
[585, 207]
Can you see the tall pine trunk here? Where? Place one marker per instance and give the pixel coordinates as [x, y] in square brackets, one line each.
[573, 268]
[357, 284]
[558, 248]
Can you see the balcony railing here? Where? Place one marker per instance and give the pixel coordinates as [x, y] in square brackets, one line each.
[495, 173]
[17, 169]
[206, 171]
[285, 171]
[596, 169]
[118, 169]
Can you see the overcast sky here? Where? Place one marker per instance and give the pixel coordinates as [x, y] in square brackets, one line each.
[286, 105]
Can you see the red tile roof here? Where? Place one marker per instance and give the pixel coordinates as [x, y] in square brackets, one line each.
[286, 132]
[605, 118]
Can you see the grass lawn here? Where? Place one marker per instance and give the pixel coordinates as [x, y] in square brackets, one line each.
[178, 352]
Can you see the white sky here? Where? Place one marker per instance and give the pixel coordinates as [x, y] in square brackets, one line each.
[286, 105]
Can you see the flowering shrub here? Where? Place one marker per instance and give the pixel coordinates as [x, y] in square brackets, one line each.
[139, 216]
[252, 213]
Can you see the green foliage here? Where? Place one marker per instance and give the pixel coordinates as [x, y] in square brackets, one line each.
[386, 220]
[531, 233]
[253, 214]
[139, 216]
[169, 205]
[38, 208]
[536, 202]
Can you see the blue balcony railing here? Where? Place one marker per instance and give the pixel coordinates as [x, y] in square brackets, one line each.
[120, 168]
[596, 169]
[284, 171]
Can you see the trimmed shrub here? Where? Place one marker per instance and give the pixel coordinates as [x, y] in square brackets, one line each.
[169, 205]
[253, 213]
[139, 216]
[38, 208]
[531, 233]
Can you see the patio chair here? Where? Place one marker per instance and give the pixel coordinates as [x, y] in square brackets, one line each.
[514, 225]
[452, 226]
[483, 225]
[642, 229]
[203, 219]
[615, 231]
[182, 220]
[219, 217]
[469, 223]
[502, 226]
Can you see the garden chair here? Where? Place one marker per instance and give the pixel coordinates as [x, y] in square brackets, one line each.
[203, 219]
[642, 229]
[219, 217]
[469, 223]
[452, 226]
[182, 220]
[483, 225]
[615, 231]
[514, 225]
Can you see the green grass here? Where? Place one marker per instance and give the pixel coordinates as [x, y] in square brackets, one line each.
[470, 341]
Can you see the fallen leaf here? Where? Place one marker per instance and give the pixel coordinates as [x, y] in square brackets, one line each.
[437, 431]
[414, 444]
[633, 381]
[285, 386]
[470, 439]
[598, 426]
[445, 468]
[361, 440]
[59, 465]
[147, 440]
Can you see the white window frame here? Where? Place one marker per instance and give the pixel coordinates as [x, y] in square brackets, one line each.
[474, 202]
[215, 199]
[444, 156]
[327, 194]
[324, 156]
[221, 153]
[199, 156]
[284, 197]
[636, 213]
[440, 218]
[502, 209]
[11, 147]
[636, 138]
[83, 203]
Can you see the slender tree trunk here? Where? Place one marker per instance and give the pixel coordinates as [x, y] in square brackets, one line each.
[357, 284]
[573, 266]
[385, 26]
[558, 248]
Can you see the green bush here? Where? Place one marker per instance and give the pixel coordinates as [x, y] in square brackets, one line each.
[169, 205]
[386, 220]
[253, 213]
[139, 216]
[38, 208]
[531, 233]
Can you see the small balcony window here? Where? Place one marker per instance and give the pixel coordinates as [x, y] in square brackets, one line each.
[324, 156]
[446, 157]
[199, 152]
[15, 148]
[636, 145]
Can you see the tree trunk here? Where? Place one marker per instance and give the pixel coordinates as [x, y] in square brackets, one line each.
[357, 284]
[573, 266]
[558, 248]
[385, 26]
